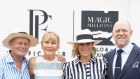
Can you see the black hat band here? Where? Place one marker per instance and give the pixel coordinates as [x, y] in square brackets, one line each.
[84, 36]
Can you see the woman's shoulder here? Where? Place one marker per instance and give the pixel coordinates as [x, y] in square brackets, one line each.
[97, 59]
[68, 63]
[32, 59]
[101, 60]
[35, 59]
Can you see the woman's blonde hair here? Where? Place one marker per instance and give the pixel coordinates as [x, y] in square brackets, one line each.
[52, 36]
[75, 51]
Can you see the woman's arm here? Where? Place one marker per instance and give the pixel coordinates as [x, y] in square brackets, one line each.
[31, 67]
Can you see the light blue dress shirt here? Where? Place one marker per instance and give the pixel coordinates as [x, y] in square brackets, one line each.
[8, 68]
[127, 49]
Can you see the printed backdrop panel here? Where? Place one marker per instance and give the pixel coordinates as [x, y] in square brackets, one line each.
[66, 18]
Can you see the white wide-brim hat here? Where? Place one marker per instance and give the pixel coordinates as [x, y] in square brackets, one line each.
[84, 36]
[33, 40]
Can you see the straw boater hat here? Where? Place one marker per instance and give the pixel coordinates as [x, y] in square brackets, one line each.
[19, 33]
[84, 36]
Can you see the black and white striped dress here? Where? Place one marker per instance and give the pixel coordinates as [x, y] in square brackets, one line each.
[94, 69]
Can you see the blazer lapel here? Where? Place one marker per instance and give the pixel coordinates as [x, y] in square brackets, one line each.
[110, 63]
[130, 59]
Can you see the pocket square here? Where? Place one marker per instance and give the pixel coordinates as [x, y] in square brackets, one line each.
[136, 64]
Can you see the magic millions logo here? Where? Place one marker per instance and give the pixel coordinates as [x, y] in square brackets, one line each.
[101, 25]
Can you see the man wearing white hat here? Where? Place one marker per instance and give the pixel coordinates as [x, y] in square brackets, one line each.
[14, 65]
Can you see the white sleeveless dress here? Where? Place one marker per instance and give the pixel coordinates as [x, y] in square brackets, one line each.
[48, 69]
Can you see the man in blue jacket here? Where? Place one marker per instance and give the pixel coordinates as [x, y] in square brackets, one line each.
[127, 65]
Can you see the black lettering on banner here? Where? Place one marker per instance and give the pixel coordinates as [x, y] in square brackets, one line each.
[36, 18]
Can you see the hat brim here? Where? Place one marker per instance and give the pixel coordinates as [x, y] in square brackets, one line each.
[33, 40]
[85, 41]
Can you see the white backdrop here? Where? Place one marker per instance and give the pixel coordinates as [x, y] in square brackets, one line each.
[15, 13]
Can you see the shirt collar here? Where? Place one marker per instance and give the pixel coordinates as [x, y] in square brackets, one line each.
[9, 58]
[127, 49]
[94, 59]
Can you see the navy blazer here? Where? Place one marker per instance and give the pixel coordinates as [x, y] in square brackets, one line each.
[131, 69]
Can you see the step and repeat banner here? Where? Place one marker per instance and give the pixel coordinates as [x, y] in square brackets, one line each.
[66, 18]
